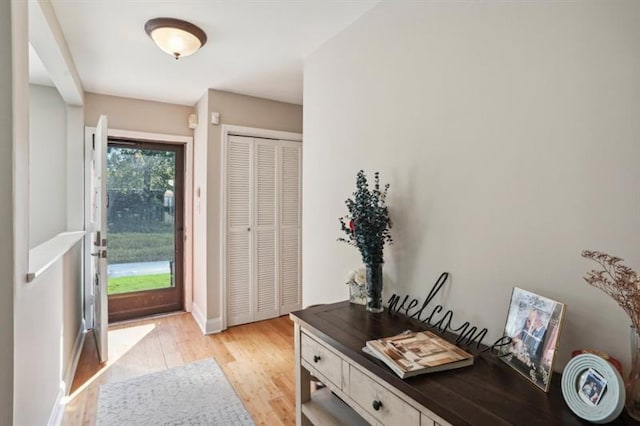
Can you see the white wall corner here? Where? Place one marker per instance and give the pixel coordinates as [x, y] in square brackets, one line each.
[214, 325]
[210, 326]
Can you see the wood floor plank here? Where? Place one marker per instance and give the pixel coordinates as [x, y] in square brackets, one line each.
[256, 358]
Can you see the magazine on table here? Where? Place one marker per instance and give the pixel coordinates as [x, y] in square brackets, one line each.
[411, 353]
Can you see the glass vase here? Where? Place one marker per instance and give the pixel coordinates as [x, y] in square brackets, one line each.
[357, 294]
[632, 384]
[374, 287]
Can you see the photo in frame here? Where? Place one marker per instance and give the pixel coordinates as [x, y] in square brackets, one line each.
[591, 386]
[533, 323]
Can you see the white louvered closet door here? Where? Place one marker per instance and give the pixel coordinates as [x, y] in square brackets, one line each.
[265, 229]
[290, 226]
[239, 198]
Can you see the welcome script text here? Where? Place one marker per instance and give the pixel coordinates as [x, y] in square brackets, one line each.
[466, 333]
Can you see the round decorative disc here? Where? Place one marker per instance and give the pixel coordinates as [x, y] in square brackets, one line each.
[593, 389]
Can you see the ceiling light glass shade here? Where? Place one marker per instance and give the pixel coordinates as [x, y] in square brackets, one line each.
[177, 38]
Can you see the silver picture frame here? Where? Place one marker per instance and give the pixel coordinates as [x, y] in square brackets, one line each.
[534, 324]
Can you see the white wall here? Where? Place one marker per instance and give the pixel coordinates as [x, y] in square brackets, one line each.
[509, 132]
[75, 176]
[72, 262]
[20, 112]
[200, 146]
[48, 311]
[6, 217]
[45, 312]
[39, 346]
[47, 164]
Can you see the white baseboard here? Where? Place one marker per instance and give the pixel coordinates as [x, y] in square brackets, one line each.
[211, 326]
[73, 364]
[55, 419]
[214, 325]
[57, 413]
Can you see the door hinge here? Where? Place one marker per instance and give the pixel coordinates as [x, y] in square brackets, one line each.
[93, 141]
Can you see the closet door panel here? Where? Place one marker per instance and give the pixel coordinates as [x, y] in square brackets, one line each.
[290, 266]
[239, 177]
[263, 238]
[239, 288]
[266, 243]
[290, 227]
[266, 304]
[291, 161]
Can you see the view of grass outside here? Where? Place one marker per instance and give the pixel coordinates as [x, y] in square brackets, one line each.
[135, 247]
[138, 282]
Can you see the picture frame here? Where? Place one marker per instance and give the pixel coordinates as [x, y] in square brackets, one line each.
[534, 324]
[589, 375]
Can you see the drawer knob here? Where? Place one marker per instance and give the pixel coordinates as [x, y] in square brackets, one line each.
[377, 405]
[316, 358]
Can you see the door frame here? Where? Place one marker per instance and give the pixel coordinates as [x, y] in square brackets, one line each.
[159, 138]
[140, 303]
[252, 132]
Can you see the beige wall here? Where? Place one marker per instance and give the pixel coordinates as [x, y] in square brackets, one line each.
[237, 110]
[138, 115]
[6, 218]
[509, 132]
[250, 111]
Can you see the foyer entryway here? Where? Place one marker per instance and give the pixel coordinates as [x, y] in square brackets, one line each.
[265, 384]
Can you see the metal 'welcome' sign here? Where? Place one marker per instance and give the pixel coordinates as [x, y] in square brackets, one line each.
[466, 333]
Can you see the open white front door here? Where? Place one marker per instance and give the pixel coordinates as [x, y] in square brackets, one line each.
[96, 220]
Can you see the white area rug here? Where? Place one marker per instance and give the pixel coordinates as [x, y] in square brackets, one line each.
[193, 394]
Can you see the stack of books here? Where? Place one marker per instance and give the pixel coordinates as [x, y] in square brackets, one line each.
[411, 353]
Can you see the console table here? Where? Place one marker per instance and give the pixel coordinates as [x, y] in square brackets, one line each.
[363, 390]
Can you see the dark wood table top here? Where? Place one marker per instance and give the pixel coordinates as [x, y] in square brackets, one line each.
[487, 393]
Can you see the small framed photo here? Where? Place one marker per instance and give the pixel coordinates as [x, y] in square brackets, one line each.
[591, 387]
[533, 324]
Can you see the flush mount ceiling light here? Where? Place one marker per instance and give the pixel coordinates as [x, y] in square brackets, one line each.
[176, 37]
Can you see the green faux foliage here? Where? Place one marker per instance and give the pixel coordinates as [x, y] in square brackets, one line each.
[367, 225]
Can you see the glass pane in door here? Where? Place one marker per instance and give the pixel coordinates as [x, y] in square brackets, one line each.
[140, 218]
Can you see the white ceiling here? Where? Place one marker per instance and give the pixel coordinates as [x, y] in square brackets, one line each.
[254, 47]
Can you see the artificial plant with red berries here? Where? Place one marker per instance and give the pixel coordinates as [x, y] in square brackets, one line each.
[367, 225]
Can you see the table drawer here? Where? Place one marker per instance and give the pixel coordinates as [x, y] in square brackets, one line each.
[379, 402]
[322, 359]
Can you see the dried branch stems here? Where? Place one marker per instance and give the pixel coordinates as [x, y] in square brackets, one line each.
[619, 281]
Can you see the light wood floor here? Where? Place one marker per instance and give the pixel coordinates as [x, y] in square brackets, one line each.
[256, 358]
